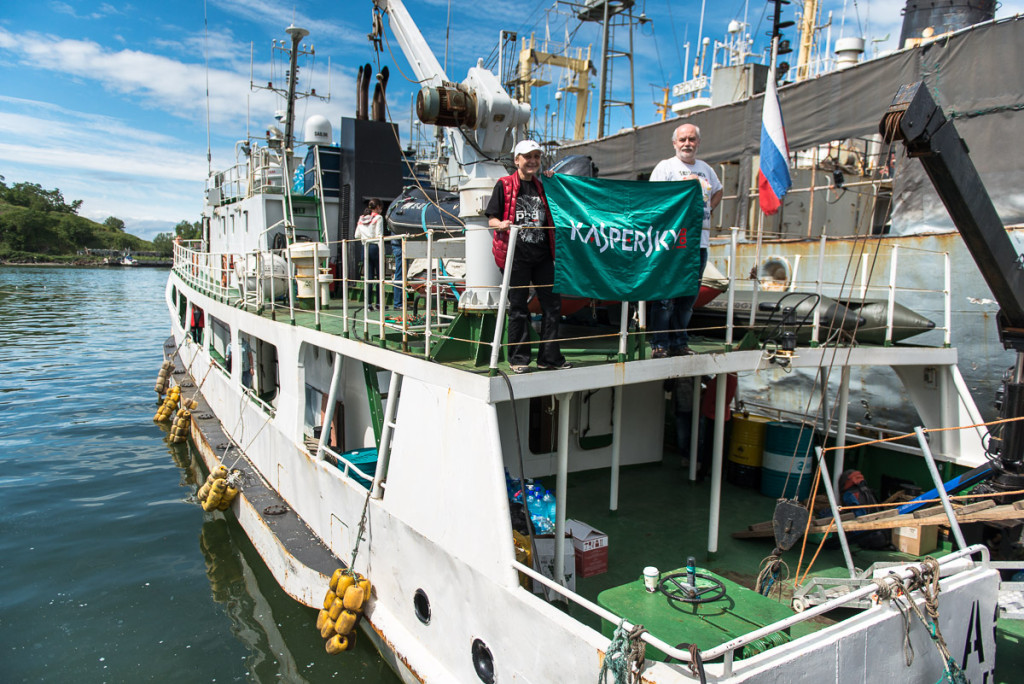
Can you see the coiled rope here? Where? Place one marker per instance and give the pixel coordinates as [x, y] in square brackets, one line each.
[625, 657]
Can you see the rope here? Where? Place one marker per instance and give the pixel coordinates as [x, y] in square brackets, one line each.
[359, 534]
[697, 664]
[625, 656]
[771, 575]
[926, 580]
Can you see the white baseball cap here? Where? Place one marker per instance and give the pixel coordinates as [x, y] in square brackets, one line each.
[525, 147]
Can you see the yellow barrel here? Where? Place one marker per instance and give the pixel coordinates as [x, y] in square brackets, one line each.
[746, 448]
[747, 442]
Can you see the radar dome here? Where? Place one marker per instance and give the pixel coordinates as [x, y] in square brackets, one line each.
[317, 130]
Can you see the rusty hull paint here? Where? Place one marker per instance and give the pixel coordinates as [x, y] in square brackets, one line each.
[383, 641]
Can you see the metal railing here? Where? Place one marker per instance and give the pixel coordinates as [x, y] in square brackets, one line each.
[260, 279]
[727, 650]
[879, 272]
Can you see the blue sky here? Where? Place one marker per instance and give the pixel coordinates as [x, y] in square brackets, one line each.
[107, 100]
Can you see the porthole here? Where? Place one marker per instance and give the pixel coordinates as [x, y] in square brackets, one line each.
[483, 662]
[774, 273]
[421, 604]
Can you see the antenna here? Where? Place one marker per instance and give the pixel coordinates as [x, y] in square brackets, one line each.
[206, 59]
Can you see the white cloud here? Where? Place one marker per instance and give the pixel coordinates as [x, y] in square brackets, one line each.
[276, 17]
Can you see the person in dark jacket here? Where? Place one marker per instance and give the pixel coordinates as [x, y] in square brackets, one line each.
[519, 199]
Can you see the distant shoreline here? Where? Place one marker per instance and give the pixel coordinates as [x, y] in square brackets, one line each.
[87, 263]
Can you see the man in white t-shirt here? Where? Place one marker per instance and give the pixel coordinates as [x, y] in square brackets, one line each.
[669, 317]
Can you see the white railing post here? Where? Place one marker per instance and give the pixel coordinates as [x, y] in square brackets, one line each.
[731, 297]
[430, 290]
[947, 298]
[863, 276]
[892, 295]
[623, 330]
[499, 323]
[332, 398]
[344, 287]
[815, 329]
[381, 296]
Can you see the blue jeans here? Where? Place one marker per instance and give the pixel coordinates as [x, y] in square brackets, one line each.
[670, 317]
[372, 273]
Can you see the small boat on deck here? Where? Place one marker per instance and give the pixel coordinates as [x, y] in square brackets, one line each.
[848, 319]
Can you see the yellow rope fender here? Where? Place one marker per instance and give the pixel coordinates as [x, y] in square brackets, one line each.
[343, 605]
[161, 378]
[219, 490]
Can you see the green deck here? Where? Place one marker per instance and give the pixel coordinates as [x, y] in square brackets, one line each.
[707, 625]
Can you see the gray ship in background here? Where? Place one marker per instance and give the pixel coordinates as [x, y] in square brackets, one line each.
[862, 221]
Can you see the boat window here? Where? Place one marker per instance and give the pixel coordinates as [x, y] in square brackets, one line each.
[220, 344]
[312, 416]
[182, 308]
[259, 369]
[318, 366]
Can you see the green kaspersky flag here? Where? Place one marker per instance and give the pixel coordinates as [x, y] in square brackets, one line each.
[626, 240]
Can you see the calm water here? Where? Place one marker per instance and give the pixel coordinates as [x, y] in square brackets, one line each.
[109, 570]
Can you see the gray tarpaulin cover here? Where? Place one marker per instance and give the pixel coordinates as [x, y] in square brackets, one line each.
[975, 75]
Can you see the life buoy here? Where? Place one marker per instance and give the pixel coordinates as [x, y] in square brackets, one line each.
[224, 270]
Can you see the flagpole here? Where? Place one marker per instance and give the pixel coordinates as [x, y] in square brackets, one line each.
[760, 212]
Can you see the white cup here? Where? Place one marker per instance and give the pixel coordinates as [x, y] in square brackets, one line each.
[651, 577]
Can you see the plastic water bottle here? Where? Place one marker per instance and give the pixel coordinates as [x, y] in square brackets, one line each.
[550, 505]
[542, 525]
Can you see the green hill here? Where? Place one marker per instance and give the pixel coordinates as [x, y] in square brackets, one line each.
[37, 223]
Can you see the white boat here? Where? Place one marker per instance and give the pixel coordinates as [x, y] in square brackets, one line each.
[381, 441]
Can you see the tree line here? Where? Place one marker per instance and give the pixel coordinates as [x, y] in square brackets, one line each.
[36, 221]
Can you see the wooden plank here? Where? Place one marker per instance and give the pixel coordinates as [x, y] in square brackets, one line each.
[994, 513]
[887, 513]
[960, 510]
[930, 510]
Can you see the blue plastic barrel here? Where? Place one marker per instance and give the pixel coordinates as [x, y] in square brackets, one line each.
[788, 453]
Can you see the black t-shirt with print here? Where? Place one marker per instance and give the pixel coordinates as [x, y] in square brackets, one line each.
[532, 244]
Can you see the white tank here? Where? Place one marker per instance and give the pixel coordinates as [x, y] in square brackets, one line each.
[848, 52]
[317, 130]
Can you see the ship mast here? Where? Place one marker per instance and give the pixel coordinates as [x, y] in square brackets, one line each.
[807, 25]
[297, 35]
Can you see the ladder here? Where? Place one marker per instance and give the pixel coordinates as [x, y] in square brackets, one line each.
[382, 416]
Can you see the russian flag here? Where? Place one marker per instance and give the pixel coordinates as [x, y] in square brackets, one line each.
[773, 176]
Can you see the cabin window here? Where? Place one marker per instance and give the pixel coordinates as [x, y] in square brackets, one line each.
[182, 309]
[220, 344]
[318, 365]
[259, 369]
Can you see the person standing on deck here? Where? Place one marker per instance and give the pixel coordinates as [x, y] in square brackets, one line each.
[519, 199]
[670, 317]
[369, 230]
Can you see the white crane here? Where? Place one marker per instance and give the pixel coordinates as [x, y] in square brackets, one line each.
[479, 118]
